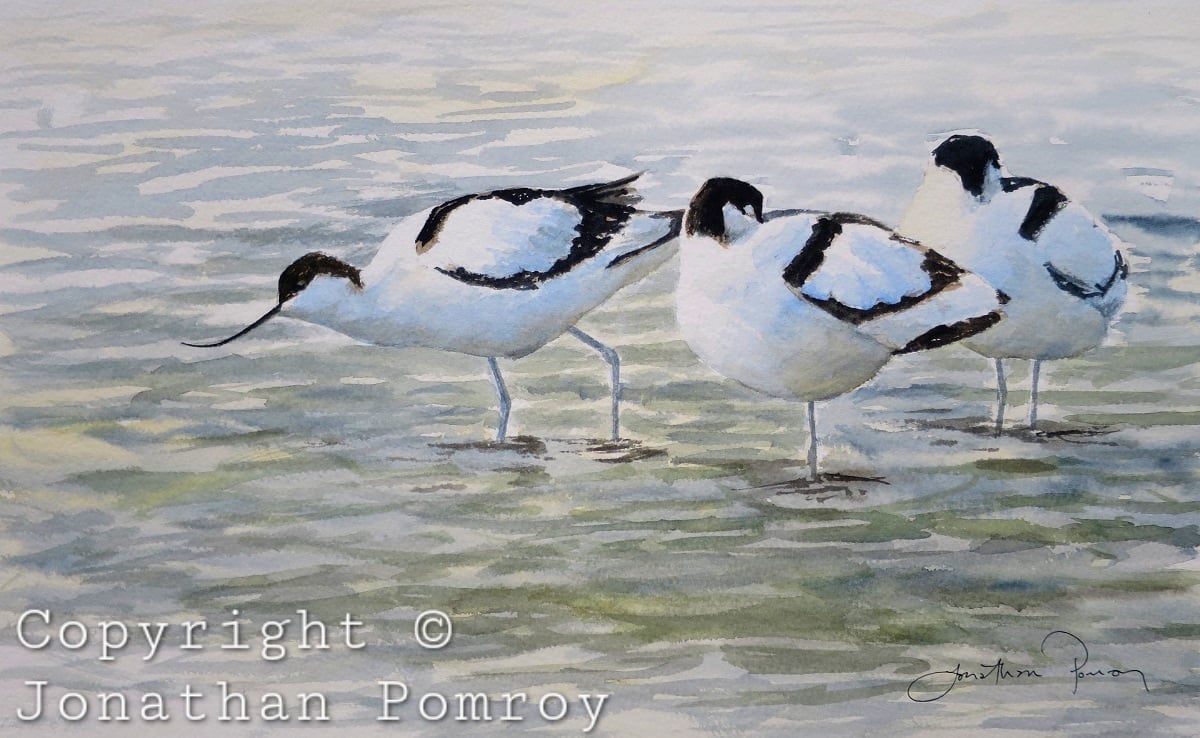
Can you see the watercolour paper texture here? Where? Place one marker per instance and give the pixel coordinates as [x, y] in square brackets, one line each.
[162, 163]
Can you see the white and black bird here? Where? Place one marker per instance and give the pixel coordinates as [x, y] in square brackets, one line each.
[1062, 270]
[807, 305]
[496, 274]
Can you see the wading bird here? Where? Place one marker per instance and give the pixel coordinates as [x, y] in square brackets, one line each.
[807, 305]
[496, 274]
[1060, 267]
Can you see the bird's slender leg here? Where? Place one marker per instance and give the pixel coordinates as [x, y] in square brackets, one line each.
[614, 361]
[812, 441]
[1034, 370]
[1001, 396]
[502, 393]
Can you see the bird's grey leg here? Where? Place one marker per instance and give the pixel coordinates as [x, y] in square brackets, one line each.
[502, 393]
[812, 441]
[1001, 396]
[614, 361]
[1035, 370]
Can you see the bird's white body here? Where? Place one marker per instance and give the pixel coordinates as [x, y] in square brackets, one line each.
[406, 301]
[745, 321]
[1042, 320]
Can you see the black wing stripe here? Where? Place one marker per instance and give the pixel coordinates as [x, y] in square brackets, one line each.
[1047, 201]
[810, 258]
[437, 218]
[604, 210]
[944, 334]
[522, 280]
[942, 272]
[1084, 291]
[1069, 284]
[1120, 272]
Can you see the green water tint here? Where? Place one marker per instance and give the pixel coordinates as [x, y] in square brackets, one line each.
[1140, 420]
[804, 566]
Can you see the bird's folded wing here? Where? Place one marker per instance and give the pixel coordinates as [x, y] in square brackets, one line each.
[903, 295]
[1081, 255]
[519, 238]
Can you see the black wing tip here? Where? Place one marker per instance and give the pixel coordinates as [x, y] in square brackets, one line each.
[945, 334]
[616, 192]
[674, 216]
[677, 221]
[627, 179]
[1120, 273]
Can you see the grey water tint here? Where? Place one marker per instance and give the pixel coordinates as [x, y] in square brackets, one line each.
[157, 171]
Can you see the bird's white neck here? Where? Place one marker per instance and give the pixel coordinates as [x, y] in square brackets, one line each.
[941, 211]
[737, 224]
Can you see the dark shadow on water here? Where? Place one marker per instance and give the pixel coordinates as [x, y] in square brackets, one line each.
[621, 451]
[1069, 432]
[765, 474]
[524, 445]
[606, 452]
[826, 486]
[1171, 226]
[1047, 430]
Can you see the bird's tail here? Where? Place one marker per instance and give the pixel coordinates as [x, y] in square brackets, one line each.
[649, 230]
[616, 192]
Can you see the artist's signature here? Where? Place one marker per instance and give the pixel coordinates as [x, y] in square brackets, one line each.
[935, 685]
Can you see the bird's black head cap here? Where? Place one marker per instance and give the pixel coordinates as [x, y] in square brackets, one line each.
[704, 214]
[301, 272]
[970, 157]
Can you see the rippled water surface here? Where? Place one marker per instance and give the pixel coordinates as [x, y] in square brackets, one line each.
[161, 163]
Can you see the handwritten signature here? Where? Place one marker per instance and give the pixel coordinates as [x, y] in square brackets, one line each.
[925, 687]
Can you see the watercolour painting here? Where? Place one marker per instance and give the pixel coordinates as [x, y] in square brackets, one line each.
[354, 551]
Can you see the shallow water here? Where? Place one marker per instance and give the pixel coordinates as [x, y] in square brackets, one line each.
[159, 167]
